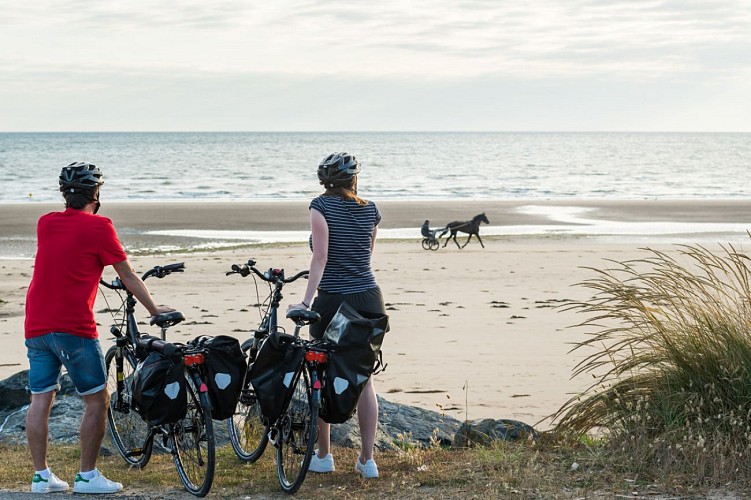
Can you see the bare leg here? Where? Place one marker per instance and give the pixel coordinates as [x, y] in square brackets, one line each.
[367, 417]
[324, 438]
[93, 425]
[37, 427]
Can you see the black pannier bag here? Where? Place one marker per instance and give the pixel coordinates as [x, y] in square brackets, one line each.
[159, 393]
[273, 371]
[355, 338]
[225, 372]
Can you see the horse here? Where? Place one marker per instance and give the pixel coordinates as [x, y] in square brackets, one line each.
[469, 226]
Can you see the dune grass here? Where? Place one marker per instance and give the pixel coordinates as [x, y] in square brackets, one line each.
[669, 345]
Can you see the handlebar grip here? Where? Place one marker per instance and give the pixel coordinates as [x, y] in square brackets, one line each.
[241, 270]
[115, 285]
[301, 274]
[162, 271]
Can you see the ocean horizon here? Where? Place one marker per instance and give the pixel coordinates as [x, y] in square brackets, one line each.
[208, 167]
[247, 166]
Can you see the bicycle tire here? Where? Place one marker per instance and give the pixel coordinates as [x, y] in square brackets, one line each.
[193, 440]
[247, 433]
[296, 435]
[425, 244]
[130, 433]
[434, 244]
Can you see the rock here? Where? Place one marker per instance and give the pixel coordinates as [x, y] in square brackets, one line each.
[484, 432]
[14, 392]
[399, 425]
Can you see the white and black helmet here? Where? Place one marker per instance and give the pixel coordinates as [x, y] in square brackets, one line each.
[80, 176]
[337, 169]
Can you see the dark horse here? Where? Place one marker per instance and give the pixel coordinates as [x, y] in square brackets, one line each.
[468, 226]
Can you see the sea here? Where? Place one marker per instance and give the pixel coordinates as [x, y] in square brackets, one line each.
[248, 166]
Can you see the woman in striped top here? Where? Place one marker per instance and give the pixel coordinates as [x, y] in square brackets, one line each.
[343, 232]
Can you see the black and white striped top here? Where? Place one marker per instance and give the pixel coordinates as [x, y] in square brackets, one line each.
[351, 229]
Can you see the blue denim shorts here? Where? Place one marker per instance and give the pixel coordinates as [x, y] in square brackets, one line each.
[82, 358]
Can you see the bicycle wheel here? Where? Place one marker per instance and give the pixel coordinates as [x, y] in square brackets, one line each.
[434, 244]
[425, 244]
[296, 435]
[130, 433]
[193, 439]
[247, 433]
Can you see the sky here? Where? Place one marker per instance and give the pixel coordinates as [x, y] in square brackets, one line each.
[385, 65]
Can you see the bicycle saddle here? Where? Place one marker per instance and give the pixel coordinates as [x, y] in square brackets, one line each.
[165, 320]
[303, 316]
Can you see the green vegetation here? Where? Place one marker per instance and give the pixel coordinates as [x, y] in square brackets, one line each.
[672, 363]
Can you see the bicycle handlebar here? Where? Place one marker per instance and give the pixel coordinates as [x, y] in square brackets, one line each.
[270, 276]
[158, 271]
[162, 271]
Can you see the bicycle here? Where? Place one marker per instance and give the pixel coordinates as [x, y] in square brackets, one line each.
[190, 440]
[295, 432]
[247, 432]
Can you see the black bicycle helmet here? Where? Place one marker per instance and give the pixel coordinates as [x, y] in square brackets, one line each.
[337, 169]
[80, 176]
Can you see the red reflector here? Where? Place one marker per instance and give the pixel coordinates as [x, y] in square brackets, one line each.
[193, 359]
[319, 357]
[317, 384]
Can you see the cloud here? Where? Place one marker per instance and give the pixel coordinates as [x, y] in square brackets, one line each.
[183, 101]
[424, 59]
[416, 38]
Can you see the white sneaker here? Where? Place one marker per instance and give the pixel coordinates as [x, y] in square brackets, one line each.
[52, 484]
[97, 484]
[322, 465]
[367, 470]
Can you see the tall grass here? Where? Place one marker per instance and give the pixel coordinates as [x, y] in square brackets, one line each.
[670, 350]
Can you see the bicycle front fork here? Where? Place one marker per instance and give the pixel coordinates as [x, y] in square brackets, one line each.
[120, 404]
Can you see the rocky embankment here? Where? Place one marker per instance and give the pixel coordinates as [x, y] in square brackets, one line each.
[399, 425]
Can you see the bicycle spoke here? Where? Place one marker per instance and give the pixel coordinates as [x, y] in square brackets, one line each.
[248, 435]
[194, 443]
[297, 436]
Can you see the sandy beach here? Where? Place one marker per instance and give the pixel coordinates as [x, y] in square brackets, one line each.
[475, 332]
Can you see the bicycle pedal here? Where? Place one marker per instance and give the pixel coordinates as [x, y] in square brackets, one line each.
[135, 453]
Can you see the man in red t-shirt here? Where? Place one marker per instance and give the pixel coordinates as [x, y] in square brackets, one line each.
[73, 247]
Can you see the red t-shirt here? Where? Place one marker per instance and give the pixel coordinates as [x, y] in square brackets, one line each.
[73, 247]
